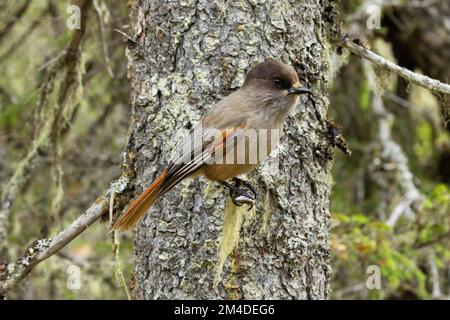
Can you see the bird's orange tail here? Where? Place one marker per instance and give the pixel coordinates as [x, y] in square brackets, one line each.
[140, 206]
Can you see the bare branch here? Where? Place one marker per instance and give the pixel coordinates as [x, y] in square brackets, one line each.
[45, 248]
[12, 274]
[42, 249]
[415, 78]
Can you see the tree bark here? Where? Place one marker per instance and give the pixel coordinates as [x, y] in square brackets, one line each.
[190, 54]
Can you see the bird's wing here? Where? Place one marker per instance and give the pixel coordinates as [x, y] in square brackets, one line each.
[199, 148]
[190, 153]
[211, 139]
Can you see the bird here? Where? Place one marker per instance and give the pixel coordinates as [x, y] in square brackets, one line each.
[270, 91]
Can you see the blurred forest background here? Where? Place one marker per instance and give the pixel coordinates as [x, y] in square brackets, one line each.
[69, 122]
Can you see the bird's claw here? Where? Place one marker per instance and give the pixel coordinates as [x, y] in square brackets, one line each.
[238, 183]
[242, 193]
[241, 197]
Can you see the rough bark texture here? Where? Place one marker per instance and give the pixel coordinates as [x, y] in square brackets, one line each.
[189, 55]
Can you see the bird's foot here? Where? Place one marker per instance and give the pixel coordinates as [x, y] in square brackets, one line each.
[241, 192]
[242, 183]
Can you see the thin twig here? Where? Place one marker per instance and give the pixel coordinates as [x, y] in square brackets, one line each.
[126, 37]
[378, 60]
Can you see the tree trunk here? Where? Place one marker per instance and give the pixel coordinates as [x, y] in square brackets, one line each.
[188, 56]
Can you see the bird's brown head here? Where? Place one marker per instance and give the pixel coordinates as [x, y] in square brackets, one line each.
[276, 77]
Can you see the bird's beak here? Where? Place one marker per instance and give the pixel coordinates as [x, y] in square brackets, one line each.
[299, 90]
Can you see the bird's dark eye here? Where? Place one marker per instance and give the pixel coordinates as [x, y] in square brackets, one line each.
[278, 82]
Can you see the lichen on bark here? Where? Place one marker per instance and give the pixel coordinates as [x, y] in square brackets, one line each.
[189, 55]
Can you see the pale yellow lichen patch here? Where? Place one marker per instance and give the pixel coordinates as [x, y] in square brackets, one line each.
[231, 286]
[234, 217]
